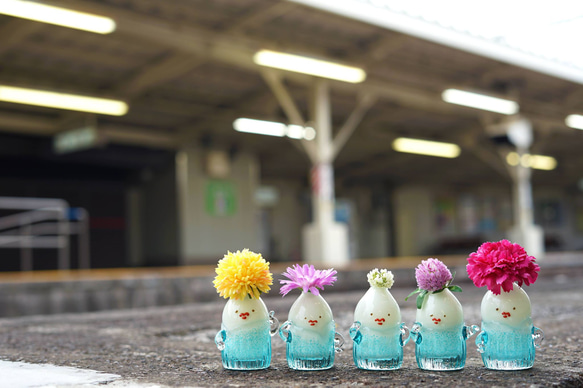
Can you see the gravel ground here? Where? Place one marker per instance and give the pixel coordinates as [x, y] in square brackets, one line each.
[173, 346]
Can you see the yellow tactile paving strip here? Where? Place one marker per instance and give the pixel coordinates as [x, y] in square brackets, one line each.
[200, 270]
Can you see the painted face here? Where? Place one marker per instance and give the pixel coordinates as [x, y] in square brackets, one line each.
[311, 312]
[244, 312]
[510, 308]
[377, 310]
[441, 311]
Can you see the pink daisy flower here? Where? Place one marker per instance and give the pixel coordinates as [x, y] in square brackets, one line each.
[307, 278]
[500, 264]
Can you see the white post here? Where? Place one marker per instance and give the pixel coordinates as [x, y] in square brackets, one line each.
[524, 231]
[325, 240]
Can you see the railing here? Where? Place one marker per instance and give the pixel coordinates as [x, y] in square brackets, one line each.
[44, 223]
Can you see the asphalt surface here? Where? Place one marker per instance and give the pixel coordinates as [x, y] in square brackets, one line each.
[174, 346]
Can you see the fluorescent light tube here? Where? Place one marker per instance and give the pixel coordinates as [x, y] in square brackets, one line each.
[574, 121]
[309, 66]
[426, 147]
[63, 101]
[56, 15]
[295, 131]
[538, 162]
[272, 128]
[542, 162]
[480, 101]
[260, 127]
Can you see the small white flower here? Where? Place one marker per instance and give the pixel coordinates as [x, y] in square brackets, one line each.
[380, 278]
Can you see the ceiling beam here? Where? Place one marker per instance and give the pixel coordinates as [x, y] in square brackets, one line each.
[15, 31]
[20, 123]
[354, 119]
[237, 50]
[291, 110]
[258, 17]
[171, 67]
[138, 136]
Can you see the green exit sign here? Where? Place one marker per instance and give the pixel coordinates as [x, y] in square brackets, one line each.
[77, 140]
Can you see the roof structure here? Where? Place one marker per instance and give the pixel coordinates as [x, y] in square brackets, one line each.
[185, 68]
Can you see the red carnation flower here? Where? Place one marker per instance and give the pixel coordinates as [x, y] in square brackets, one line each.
[500, 264]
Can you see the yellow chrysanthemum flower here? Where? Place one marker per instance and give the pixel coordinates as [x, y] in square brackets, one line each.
[242, 273]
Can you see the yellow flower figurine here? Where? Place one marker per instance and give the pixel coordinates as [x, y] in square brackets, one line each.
[247, 327]
[242, 273]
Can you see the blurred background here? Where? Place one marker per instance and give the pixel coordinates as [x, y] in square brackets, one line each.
[167, 177]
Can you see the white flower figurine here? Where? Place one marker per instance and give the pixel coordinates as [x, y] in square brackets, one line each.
[378, 333]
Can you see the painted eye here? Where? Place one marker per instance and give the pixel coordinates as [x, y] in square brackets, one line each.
[320, 317]
[236, 311]
[252, 311]
[389, 314]
[444, 315]
[371, 314]
[431, 315]
[497, 309]
[513, 308]
[305, 317]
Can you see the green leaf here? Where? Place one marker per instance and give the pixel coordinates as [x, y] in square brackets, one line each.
[413, 293]
[421, 298]
[438, 291]
[455, 288]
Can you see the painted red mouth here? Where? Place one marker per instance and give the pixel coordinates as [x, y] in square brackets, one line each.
[380, 321]
[505, 314]
[312, 322]
[436, 320]
[244, 315]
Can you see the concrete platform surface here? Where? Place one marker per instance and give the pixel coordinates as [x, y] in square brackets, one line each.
[173, 346]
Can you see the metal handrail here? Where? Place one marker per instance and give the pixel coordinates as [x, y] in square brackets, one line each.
[44, 216]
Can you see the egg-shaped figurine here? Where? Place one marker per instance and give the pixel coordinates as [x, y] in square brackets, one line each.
[439, 331]
[378, 333]
[508, 338]
[245, 336]
[310, 331]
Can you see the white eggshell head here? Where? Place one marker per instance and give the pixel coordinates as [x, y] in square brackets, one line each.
[510, 308]
[238, 313]
[377, 309]
[441, 311]
[311, 312]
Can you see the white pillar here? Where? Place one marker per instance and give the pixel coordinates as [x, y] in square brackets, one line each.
[524, 231]
[325, 240]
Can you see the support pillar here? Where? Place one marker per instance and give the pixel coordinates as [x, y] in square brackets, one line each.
[524, 231]
[325, 240]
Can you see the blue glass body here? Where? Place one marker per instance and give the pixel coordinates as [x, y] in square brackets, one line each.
[441, 349]
[309, 349]
[245, 348]
[377, 350]
[508, 347]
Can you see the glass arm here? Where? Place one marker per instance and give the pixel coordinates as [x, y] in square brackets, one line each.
[220, 339]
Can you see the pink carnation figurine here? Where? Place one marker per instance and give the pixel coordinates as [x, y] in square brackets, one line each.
[500, 264]
[508, 339]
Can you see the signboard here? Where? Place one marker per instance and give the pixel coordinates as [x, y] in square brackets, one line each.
[220, 198]
[77, 140]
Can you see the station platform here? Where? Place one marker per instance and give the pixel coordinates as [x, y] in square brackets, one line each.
[56, 292]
